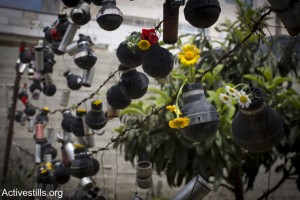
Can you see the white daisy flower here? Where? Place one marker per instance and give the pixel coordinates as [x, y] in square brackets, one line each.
[130, 44]
[243, 99]
[230, 90]
[225, 99]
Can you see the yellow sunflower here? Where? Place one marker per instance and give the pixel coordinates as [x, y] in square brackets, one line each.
[144, 45]
[189, 55]
[179, 122]
[173, 109]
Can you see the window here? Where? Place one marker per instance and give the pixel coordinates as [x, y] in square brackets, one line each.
[230, 1]
[247, 2]
[45, 6]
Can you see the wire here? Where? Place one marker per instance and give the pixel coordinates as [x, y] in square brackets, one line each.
[117, 174]
[103, 174]
[87, 98]
[269, 178]
[256, 27]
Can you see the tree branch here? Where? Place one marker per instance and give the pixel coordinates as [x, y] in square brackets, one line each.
[255, 28]
[285, 176]
[139, 125]
[227, 187]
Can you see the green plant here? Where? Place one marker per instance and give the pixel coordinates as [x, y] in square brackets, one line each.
[219, 159]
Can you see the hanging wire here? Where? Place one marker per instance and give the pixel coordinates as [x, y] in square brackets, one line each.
[256, 27]
[197, 171]
[63, 9]
[44, 99]
[87, 98]
[65, 65]
[136, 188]
[269, 178]
[262, 61]
[117, 174]
[103, 173]
[22, 149]
[85, 106]
[87, 29]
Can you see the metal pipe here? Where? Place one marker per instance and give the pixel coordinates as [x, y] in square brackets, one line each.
[11, 126]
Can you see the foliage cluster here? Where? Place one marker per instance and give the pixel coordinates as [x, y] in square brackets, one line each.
[219, 159]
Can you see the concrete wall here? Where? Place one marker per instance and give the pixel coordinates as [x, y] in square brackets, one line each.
[137, 15]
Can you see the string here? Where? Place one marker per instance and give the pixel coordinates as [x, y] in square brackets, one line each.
[65, 65]
[117, 174]
[269, 178]
[256, 27]
[87, 98]
[103, 174]
[197, 171]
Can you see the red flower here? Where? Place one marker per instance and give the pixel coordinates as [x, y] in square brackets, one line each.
[54, 33]
[22, 47]
[24, 99]
[150, 35]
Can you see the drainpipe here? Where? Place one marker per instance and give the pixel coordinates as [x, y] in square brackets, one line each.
[11, 125]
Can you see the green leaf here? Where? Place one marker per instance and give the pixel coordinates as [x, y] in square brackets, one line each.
[254, 78]
[239, 34]
[181, 158]
[208, 77]
[267, 73]
[171, 173]
[218, 173]
[169, 149]
[294, 101]
[218, 140]
[277, 81]
[159, 161]
[208, 143]
[73, 107]
[131, 111]
[217, 69]
[180, 177]
[230, 112]
[178, 76]
[293, 136]
[214, 97]
[160, 92]
[157, 137]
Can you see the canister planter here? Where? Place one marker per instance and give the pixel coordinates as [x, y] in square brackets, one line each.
[144, 183]
[130, 58]
[157, 61]
[116, 99]
[144, 174]
[204, 119]
[257, 128]
[134, 84]
[196, 189]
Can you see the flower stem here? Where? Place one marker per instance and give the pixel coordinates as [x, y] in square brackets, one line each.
[192, 75]
[177, 98]
[241, 84]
